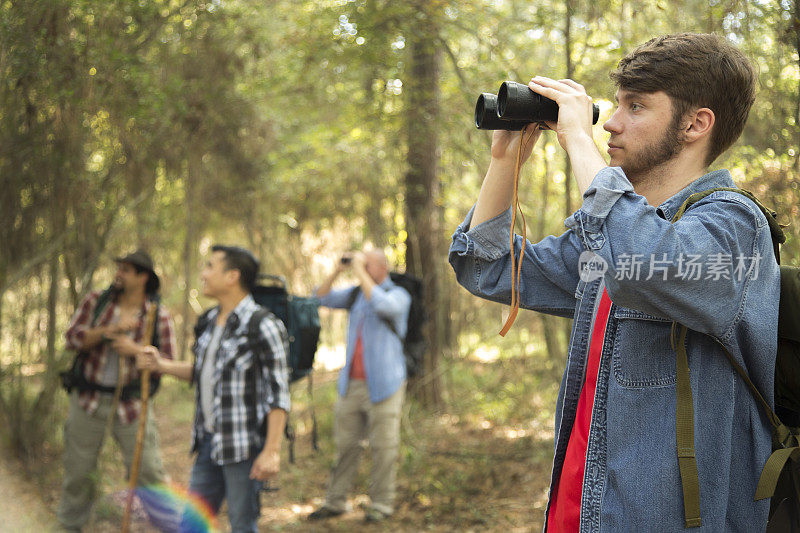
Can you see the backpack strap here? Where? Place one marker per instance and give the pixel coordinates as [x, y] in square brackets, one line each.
[155, 340]
[199, 327]
[353, 296]
[103, 299]
[254, 327]
[351, 299]
[684, 417]
[789, 447]
[253, 337]
[787, 441]
[775, 229]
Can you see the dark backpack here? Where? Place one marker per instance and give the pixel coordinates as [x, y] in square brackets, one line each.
[780, 479]
[300, 315]
[414, 343]
[74, 377]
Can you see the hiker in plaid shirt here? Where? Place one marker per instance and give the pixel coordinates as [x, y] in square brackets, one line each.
[242, 391]
[108, 329]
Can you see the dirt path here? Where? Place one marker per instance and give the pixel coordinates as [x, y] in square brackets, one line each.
[458, 473]
[21, 507]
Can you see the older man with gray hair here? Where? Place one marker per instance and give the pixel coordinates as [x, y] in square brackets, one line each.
[371, 384]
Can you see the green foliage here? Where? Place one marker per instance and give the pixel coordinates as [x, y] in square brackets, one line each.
[173, 124]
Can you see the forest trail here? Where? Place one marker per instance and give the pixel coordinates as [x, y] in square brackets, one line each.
[21, 505]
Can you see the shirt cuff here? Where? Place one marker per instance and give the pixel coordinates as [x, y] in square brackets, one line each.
[280, 404]
[608, 186]
[488, 240]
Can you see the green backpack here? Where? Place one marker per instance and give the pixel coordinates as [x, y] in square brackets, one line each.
[780, 479]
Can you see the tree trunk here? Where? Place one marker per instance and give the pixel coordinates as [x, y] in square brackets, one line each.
[52, 302]
[2, 295]
[569, 74]
[3, 406]
[422, 190]
[549, 323]
[189, 246]
[796, 19]
[568, 44]
[44, 403]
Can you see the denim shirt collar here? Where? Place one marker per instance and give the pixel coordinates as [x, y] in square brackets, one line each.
[716, 178]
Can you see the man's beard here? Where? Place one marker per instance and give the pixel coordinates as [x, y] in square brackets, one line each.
[115, 289]
[640, 164]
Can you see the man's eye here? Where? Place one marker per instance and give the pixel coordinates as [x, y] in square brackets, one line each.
[635, 107]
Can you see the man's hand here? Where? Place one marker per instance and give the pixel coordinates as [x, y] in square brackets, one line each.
[574, 126]
[574, 107]
[359, 261]
[498, 185]
[149, 358]
[124, 345]
[266, 465]
[505, 144]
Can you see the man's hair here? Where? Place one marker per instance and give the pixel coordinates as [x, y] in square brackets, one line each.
[238, 258]
[695, 70]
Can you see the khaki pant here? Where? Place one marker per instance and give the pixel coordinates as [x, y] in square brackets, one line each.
[357, 419]
[83, 438]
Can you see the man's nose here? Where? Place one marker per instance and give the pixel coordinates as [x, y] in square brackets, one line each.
[612, 125]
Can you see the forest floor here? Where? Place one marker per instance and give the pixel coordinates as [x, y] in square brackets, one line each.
[481, 464]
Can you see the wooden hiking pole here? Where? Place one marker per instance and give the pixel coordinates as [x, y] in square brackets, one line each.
[149, 326]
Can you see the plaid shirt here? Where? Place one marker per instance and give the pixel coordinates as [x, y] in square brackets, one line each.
[128, 410]
[251, 378]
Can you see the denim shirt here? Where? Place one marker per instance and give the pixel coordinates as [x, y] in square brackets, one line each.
[632, 481]
[384, 361]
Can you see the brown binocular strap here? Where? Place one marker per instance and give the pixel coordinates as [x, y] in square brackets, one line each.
[516, 266]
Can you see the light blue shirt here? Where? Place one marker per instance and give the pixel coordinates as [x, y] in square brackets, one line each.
[384, 362]
[632, 481]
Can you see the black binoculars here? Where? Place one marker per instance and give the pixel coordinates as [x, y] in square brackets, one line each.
[516, 106]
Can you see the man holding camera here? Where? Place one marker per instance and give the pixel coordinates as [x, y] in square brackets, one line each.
[242, 391]
[371, 384]
[108, 330]
[683, 100]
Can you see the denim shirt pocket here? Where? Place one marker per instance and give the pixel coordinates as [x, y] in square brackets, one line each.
[643, 356]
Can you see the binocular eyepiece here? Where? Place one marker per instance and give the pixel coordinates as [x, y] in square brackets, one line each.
[515, 106]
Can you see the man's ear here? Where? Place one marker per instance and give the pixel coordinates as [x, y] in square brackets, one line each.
[233, 276]
[699, 124]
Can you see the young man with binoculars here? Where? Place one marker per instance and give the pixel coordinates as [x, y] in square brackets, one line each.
[626, 273]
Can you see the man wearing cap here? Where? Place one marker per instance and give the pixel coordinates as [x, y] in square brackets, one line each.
[107, 331]
[242, 391]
